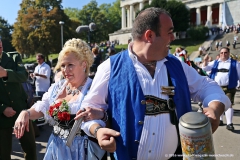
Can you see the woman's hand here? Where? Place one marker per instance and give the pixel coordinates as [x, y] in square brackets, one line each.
[21, 124]
[90, 113]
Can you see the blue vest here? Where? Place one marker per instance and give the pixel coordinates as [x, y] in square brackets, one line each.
[124, 99]
[233, 76]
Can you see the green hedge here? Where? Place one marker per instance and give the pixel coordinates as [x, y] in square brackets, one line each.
[198, 32]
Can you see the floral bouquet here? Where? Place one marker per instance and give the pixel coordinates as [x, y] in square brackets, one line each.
[60, 111]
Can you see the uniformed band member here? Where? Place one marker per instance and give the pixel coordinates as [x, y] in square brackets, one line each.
[13, 100]
[139, 99]
[226, 72]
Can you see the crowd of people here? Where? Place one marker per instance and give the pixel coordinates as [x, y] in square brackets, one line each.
[225, 71]
[232, 28]
[116, 105]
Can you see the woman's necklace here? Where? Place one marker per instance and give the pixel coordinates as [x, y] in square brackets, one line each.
[75, 91]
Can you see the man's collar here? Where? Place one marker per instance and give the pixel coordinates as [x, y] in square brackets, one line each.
[229, 59]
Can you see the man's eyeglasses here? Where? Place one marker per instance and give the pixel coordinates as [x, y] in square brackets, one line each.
[223, 52]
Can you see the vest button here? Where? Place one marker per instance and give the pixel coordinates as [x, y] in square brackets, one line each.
[140, 122]
[136, 141]
[143, 102]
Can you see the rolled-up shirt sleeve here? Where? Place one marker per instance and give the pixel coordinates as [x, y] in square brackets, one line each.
[208, 67]
[204, 89]
[86, 126]
[44, 104]
[97, 95]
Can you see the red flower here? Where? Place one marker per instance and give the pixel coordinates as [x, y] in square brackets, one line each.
[51, 110]
[65, 116]
[58, 104]
[61, 115]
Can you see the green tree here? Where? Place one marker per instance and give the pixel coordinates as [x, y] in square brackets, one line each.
[5, 34]
[198, 32]
[91, 13]
[37, 27]
[179, 13]
[113, 14]
[107, 18]
[72, 13]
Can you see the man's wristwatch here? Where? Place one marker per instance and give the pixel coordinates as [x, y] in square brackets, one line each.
[95, 131]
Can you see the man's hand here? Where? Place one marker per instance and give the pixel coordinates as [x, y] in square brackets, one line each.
[32, 75]
[106, 139]
[206, 58]
[90, 113]
[3, 72]
[9, 112]
[213, 112]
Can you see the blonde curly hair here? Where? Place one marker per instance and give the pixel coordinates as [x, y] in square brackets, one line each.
[80, 49]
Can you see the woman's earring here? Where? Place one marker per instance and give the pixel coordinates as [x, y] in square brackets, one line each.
[84, 69]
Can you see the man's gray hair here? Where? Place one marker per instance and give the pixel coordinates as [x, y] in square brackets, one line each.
[148, 19]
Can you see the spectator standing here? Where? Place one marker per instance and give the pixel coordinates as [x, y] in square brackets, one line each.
[41, 75]
[227, 44]
[234, 44]
[13, 100]
[220, 43]
[97, 61]
[216, 45]
[111, 52]
[183, 54]
[200, 50]
[235, 38]
[226, 72]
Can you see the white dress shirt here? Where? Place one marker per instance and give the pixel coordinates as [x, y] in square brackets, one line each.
[222, 78]
[159, 136]
[42, 84]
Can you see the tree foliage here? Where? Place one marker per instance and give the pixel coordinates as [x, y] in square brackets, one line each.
[37, 27]
[72, 13]
[198, 32]
[179, 13]
[113, 14]
[5, 34]
[107, 18]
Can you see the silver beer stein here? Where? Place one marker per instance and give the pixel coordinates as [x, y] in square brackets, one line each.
[196, 137]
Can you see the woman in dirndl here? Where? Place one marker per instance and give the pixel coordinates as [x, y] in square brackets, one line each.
[62, 102]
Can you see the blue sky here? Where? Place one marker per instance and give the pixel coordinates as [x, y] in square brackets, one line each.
[9, 8]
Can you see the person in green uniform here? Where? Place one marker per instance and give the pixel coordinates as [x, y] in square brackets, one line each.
[13, 100]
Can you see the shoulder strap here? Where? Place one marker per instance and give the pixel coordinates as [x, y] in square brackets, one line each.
[214, 70]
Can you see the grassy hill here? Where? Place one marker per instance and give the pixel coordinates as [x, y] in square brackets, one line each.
[32, 58]
[189, 44]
